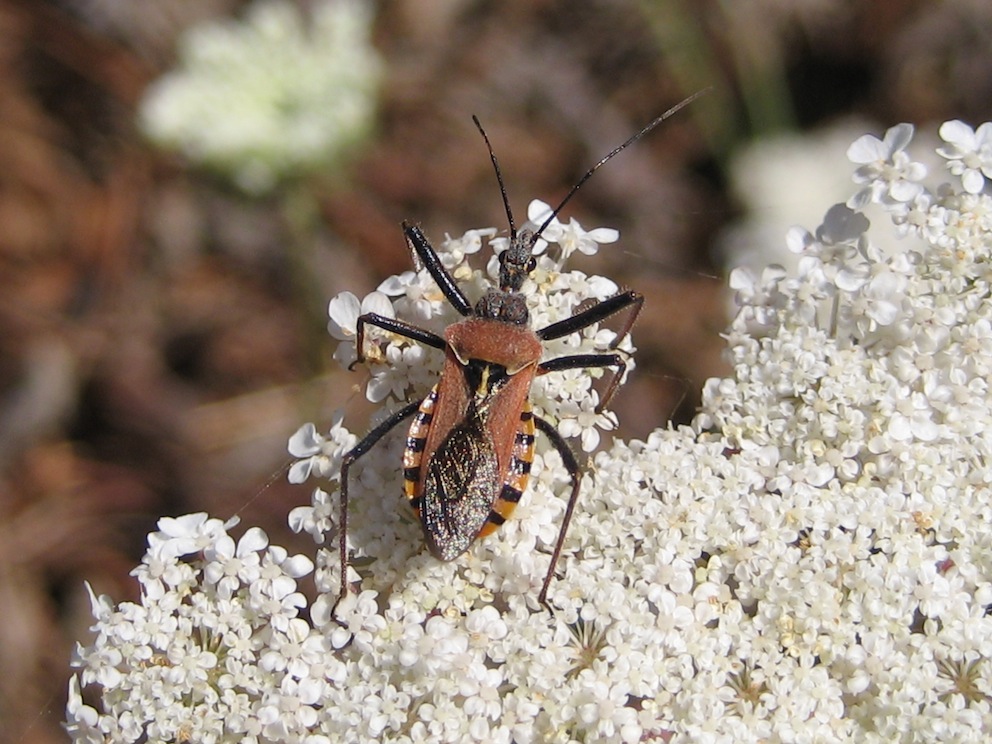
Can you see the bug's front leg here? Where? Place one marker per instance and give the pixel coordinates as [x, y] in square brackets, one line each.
[370, 440]
[630, 300]
[399, 327]
[424, 252]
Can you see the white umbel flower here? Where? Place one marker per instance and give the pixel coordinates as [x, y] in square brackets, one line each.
[811, 560]
[274, 96]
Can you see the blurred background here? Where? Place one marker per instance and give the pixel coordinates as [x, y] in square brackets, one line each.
[184, 184]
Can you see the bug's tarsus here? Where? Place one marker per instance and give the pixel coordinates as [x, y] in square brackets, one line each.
[591, 361]
[636, 302]
[627, 301]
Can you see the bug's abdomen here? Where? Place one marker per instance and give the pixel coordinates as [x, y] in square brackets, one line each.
[464, 494]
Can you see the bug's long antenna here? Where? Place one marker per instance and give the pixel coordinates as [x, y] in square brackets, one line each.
[616, 151]
[499, 177]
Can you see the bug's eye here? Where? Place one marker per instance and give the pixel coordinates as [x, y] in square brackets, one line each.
[531, 264]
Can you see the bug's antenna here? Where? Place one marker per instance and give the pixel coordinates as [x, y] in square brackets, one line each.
[616, 151]
[499, 177]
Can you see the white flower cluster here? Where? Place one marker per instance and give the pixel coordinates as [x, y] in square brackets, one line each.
[271, 97]
[860, 390]
[213, 651]
[810, 561]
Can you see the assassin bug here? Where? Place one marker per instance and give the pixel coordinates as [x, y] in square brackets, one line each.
[470, 445]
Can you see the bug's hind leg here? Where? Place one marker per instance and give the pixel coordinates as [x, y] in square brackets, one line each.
[574, 472]
[349, 459]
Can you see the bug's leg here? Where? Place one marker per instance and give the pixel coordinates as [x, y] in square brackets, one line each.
[629, 300]
[585, 361]
[572, 466]
[399, 327]
[428, 257]
[347, 461]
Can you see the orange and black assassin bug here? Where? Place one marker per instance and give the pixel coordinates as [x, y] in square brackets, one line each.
[471, 443]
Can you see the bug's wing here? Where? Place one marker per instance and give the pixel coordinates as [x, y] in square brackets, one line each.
[460, 486]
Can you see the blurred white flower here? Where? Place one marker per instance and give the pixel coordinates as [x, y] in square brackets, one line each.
[783, 180]
[275, 96]
[968, 152]
[886, 170]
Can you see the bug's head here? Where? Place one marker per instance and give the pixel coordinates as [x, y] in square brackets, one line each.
[507, 304]
[517, 261]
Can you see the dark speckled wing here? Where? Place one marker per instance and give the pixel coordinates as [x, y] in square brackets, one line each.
[460, 487]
